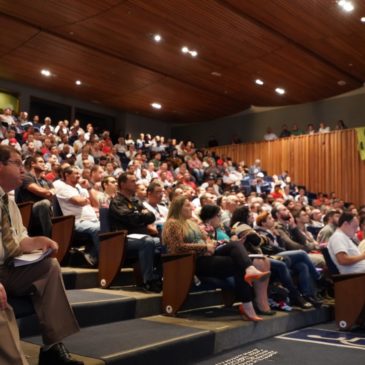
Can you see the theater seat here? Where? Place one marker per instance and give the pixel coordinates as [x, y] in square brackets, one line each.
[112, 250]
[349, 296]
[178, 281]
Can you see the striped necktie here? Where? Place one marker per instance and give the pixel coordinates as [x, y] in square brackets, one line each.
[12, 249]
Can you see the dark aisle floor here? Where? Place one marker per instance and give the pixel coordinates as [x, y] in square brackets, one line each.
[318, 345]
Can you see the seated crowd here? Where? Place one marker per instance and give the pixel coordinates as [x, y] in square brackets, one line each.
[296, 131]
[172, 196]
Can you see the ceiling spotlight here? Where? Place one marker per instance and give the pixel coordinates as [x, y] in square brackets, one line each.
[185, 50]
[280, 90]
[346, 5]
[157, 38]
[46, 73]
[259, 82]
[78, 82]
[363, 19]
[156, 105]
[193, 53]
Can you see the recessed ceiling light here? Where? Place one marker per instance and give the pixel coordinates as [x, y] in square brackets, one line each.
[346, 5]
[156, 105]
[341, 82]
[46, 73]
[157, 38]
[280, 90]
[259, 82]
[216, 74]
[363, 19]
[192, 53]
[78, 82]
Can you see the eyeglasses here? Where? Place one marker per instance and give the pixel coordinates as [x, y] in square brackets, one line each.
[18, 163]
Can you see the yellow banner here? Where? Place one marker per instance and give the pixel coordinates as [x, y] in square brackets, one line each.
[361, 141]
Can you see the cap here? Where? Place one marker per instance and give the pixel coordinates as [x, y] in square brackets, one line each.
[260, 174]
[13, 141]
[241, 229]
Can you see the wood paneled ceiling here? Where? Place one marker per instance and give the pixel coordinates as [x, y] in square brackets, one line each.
[303, 46]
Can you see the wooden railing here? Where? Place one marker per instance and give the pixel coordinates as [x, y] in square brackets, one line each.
[322, 162]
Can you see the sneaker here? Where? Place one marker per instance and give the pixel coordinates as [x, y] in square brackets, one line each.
[284, 306]
[154, 286]
[57, 355]
[91, 260]
[314, 301]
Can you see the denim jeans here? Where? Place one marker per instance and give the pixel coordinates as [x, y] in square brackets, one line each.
[41, 218]
[281, 272]
[145, 249]
[91, 229]
[301, 264]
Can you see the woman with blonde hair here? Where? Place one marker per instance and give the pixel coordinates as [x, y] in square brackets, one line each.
[182, 234]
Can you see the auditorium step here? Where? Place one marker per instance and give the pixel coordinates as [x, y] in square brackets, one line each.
[99, 306]
[181, 340]
[85, 278]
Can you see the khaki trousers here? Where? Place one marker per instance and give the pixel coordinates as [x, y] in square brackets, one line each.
[10, 350]
[43, 282]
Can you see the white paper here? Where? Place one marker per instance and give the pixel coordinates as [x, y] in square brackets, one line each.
[256, 256]
[31, 258]
[137, 236]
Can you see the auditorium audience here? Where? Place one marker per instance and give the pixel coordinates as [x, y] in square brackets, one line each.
[167, 169]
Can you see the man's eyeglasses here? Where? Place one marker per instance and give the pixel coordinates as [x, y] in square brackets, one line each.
[18, 163]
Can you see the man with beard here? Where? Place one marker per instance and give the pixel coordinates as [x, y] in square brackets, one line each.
[330, 220]
[288, 232]
[37, 189]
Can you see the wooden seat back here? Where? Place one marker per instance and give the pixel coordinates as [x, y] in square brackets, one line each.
[111, 256]
[62, 233]
[26, 213]
[178, 278]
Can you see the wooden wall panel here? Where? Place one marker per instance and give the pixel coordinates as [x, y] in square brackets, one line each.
[322, 162]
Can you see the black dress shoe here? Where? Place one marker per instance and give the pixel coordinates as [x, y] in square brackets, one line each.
[57, 355]
[265, 313]
[154, 286]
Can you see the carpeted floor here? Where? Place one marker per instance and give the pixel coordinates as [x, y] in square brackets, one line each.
[317, 345]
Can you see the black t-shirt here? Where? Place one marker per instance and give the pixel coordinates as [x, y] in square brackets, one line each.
[24, 195]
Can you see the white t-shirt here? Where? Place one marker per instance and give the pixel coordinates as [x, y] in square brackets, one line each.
[160, 212]
[339, 242]
[64, 193]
